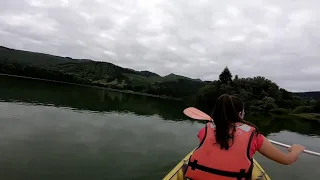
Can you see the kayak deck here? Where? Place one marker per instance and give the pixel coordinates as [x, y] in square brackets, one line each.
[177, 172]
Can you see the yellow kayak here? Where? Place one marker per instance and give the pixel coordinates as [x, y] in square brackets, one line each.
[177, 172]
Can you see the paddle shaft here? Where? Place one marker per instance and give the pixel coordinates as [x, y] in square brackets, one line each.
[287, 146]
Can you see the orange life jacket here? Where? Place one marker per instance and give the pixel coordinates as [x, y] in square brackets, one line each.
[210, 162]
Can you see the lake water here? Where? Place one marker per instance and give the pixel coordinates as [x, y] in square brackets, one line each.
[56, 131]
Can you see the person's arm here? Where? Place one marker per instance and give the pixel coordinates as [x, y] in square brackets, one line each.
[270, 151]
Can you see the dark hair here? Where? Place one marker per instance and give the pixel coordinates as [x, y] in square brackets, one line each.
[224, 115]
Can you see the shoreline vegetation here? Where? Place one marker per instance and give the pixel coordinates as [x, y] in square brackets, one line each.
[261, 95]
[92, 86]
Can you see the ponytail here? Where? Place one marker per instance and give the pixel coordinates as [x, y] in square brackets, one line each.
[225, 115]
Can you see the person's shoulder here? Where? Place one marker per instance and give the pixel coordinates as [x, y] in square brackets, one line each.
[256, 142]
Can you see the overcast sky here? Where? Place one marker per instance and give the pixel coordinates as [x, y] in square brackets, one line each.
[278, 39]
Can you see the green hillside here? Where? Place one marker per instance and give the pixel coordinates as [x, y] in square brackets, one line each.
[33, 58]
[90, 72]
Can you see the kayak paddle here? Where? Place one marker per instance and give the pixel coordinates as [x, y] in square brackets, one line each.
[195, 113]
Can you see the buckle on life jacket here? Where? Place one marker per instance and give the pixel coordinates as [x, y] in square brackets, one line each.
[239, 175]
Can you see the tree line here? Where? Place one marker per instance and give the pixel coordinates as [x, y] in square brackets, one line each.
[260, 95]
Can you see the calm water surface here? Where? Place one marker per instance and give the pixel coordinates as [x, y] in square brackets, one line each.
[55, 131]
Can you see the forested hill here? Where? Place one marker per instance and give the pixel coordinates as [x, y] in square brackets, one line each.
[84, 71]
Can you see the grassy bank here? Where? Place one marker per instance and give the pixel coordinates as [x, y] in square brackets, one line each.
[308, 116]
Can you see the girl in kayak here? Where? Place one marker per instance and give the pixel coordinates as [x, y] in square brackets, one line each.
[228, 144]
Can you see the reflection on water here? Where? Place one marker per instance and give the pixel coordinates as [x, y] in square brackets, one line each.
[275, 124]
[101, 100]
[38, 142]
[86, 98]
[89, 133]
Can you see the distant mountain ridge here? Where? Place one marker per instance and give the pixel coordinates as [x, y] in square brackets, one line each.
[98, 73]
[148, 73]
[22, 56]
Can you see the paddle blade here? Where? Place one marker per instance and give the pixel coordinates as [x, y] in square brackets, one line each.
[195, 113]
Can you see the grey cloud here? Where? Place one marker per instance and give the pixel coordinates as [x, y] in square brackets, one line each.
[275, 39]
[14, 6]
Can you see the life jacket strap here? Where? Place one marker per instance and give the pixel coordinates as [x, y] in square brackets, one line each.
[239, 175]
